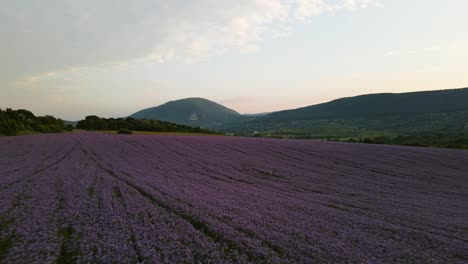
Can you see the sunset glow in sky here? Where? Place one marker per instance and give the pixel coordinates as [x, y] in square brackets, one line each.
[72, 58]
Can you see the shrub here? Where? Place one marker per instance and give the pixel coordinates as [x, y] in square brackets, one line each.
[124, 131]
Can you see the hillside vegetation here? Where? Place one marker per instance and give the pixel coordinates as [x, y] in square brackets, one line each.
[444, 112]
[14, 122]
[191, 111]
[383, 104]
[386, 114]
[98, 123]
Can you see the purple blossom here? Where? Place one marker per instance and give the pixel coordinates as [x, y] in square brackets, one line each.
[92, 197]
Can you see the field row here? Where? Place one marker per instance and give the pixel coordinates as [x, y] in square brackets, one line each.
[95, 197]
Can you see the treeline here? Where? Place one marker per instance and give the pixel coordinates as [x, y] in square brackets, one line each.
[12, 122]
[98, 123]
[428, 139]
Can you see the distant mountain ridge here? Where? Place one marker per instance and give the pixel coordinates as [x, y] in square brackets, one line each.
[190, 111]
[383, 104]
[384, 113]
[444, 111]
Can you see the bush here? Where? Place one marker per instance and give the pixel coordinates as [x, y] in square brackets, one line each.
[13, 122]
[8, 127]
[124, 131]
[132, 124]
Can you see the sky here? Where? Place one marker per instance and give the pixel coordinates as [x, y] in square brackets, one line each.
[73, 58]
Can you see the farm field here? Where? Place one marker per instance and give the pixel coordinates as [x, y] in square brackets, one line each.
[100, 197]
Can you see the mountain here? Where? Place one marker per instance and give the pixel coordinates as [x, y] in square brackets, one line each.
[73, 123]
[383, 104]
[257, 115]
[372, 114]
[191, 111]
[443, 111]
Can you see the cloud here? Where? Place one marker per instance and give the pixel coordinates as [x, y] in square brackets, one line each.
[211, 29]
[281, 32]
[357, 4]
[421, 50]
[75, 72]
[54, 37]
[306, 9]
[37, 78]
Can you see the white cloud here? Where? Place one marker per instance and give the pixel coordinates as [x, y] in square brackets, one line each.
[211, 29]
[357, 4]
[421, 50]
[306, 9]
[281, 32]
[67, 34]
[74, 72]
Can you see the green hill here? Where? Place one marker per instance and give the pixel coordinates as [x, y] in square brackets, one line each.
[369, 115]
[383, 104]
[443, 112]
[192, 112]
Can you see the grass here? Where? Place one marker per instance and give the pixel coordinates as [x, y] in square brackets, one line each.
[30, 132]
[5, 242]
[27, 132]
[91, 191]
[5, 245]
[21, 133]
[67, 254]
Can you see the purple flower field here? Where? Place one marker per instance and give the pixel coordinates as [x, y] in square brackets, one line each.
[93, 197]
